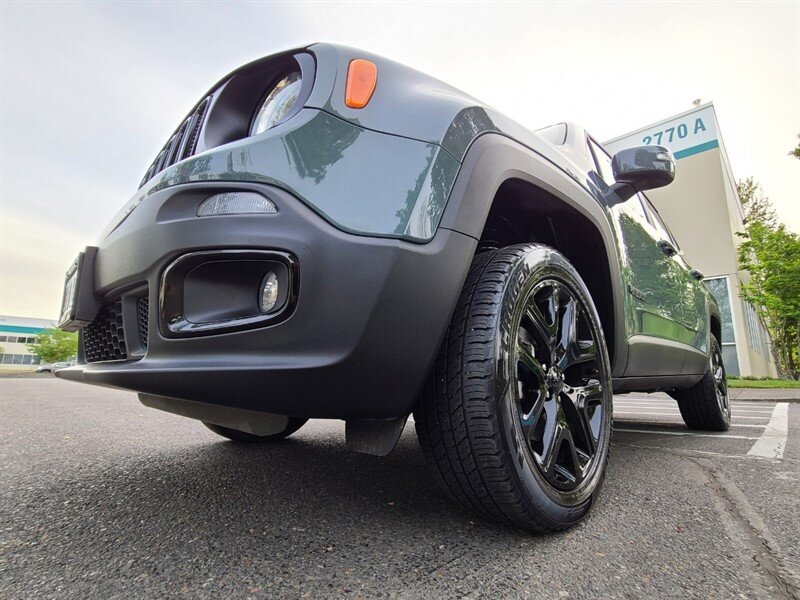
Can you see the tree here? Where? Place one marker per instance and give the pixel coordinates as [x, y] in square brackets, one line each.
[771, 255]
[53, 345]
[796, 151]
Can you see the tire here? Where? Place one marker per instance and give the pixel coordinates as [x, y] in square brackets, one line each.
[241, 436]
[507, 436]
[706, 405]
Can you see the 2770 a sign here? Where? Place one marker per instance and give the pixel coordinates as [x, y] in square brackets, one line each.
[669, 134]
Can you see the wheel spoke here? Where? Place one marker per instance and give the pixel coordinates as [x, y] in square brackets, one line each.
[538, 320]
[552, 446]
[583, 351]
[578, 412]
[554, 311]
[566, 335]
[577, 463]
[526, 357]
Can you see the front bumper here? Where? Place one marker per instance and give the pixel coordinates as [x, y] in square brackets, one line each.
[369, 317]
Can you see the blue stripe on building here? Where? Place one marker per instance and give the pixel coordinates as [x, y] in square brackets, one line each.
[697, 149]
[20, 329]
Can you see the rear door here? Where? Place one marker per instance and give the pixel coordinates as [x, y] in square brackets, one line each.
[694, 299]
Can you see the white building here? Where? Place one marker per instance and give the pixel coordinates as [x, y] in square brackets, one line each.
[702, 209]
[15, 334]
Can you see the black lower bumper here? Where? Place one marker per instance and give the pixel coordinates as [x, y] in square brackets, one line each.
[369, 314]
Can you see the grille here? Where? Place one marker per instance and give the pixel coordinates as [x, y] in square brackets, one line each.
[142, 313]
[182, 144]
[104, 339]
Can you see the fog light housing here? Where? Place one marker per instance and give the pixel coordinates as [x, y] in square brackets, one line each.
[236, 203]
[269, 292]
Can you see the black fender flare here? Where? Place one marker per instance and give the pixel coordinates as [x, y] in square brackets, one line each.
[493, 159]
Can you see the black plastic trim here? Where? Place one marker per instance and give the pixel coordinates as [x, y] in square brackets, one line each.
[370, 315]
[173, 321]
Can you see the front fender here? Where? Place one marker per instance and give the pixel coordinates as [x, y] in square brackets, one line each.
[493, 159]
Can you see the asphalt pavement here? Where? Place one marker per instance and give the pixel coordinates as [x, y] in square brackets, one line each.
[102, 497]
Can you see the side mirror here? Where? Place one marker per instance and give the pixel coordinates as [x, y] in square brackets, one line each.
[642, 168]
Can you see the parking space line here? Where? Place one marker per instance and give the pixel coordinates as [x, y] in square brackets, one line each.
[687, 434]
[772, 442]
[666, 406]
[736, 409]
[670, 402]
[630, 421]
[677, 414]
[692, 451]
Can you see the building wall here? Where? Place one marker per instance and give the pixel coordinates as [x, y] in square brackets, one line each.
[15, 334]
[702, 228]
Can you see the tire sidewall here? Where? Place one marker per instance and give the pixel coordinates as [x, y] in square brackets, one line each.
[557, 507]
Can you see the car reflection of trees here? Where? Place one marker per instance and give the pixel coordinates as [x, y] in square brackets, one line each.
[651, 272]
[424, 207]
[312, 149]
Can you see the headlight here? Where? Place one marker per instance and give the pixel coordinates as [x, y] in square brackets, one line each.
[278, 103]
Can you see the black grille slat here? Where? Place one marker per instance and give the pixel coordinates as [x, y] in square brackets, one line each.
[182, 144]
[104, 339]
[183, 136]
[194, 130]
[142, 316]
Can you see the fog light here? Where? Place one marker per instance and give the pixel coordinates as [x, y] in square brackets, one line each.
[236, 203]
[269, 292]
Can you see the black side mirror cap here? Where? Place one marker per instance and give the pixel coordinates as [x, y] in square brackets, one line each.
[642, 168]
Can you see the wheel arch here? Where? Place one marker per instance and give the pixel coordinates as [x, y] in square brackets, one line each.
[499, 177]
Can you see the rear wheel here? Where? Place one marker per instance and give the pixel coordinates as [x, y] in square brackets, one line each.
[516, 416]
[706, 404]
[242, 436]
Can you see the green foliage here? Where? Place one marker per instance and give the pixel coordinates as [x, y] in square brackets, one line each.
[771, 255]
[763, 383]
[53, 345]
[796, 151]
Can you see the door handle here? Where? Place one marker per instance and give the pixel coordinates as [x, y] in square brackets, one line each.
[667, 248]
[696, 274]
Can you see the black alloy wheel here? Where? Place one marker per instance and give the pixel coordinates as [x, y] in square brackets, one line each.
[558, 393]
[516, 416]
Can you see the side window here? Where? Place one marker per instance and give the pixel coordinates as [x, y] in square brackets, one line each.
[603, 162]
[659, 225]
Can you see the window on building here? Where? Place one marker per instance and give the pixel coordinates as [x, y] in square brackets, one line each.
[19, 359]
[753, 327]
[3, 338]
[718, 286]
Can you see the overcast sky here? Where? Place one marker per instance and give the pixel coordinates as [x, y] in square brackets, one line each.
[90, 92]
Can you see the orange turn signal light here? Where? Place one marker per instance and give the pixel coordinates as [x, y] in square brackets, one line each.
[362, 75]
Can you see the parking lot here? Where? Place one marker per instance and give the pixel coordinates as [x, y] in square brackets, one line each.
[103, 497]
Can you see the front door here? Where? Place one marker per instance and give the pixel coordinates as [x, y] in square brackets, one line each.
[655, 282]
